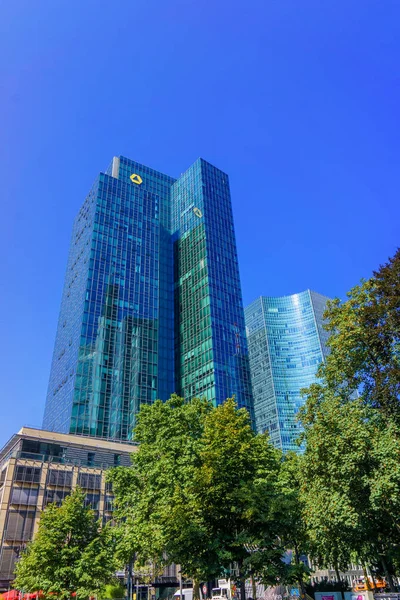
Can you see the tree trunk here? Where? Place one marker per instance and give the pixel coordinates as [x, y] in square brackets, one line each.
[196, 589]
[253, 588]
[300, 579]
[388, 576]
[130, 582]
[242, 588]
[367, 583]
[242, 580]
[339, 580]
[373, 580]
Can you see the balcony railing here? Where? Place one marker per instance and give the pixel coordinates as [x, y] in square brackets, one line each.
[60, 460]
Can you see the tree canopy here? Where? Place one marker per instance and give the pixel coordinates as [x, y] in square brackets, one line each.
[200, 492]
[155, 498]
[351, 419]
[70, 553]
[365, 341]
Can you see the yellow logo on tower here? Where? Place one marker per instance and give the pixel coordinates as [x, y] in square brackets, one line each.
[197, 212]
[136, 179]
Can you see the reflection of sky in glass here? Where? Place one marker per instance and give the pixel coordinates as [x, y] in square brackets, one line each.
[152, 282]
[286, 345]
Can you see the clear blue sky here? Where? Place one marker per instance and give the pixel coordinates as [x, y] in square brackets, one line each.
[297, 100]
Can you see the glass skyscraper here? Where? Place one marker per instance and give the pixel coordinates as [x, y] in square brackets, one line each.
[287, 342]
[152, 301]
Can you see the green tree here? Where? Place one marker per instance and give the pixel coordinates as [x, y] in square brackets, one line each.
[365, 341]
[348, 489]
[333, 476]
[236, 486]
[158, 518]
[385, 494]
[351, 464]
[199, 492]
[113, 591]
[289, 512]
[69, 554]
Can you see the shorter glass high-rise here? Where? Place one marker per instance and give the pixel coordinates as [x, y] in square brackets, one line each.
[287, 342]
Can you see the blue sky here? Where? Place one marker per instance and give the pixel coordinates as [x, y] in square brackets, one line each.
[297, 100]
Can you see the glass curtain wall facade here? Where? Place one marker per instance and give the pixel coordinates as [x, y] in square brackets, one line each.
[130, 308]
[287, 343]
[211, 355]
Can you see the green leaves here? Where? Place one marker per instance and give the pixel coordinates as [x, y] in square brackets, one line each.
[69, 554]
[350, 476]
[365, 345]
[238, 475]
[201, 488]
[156, 508]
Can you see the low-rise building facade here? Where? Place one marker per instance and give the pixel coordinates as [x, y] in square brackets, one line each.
[38, 467]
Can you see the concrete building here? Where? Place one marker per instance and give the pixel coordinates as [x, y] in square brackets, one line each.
[38, 467]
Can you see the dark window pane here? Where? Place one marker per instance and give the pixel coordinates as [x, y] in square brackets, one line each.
[20, 525]
[92, 500]
[3, 476]
[56, 496]
[27, 474]
[57, 477]
[108, 504]
[7, 561]
[27, 496]
[89, 481]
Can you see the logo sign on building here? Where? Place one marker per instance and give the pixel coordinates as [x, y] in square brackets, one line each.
[197, 212]
[136, 179]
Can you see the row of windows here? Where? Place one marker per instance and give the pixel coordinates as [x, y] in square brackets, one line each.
[285, 351]
[59, 477]
[114, 365]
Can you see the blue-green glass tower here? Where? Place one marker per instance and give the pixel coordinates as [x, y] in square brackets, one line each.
[151, 303]
[287, 342]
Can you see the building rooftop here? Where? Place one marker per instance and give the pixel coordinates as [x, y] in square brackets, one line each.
[67, 439]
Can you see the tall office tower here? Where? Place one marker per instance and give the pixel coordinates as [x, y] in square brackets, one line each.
[151, 302]
[287, 342]
[211, 349]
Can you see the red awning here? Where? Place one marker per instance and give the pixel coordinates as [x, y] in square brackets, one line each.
[11, 595]
[16, 595]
